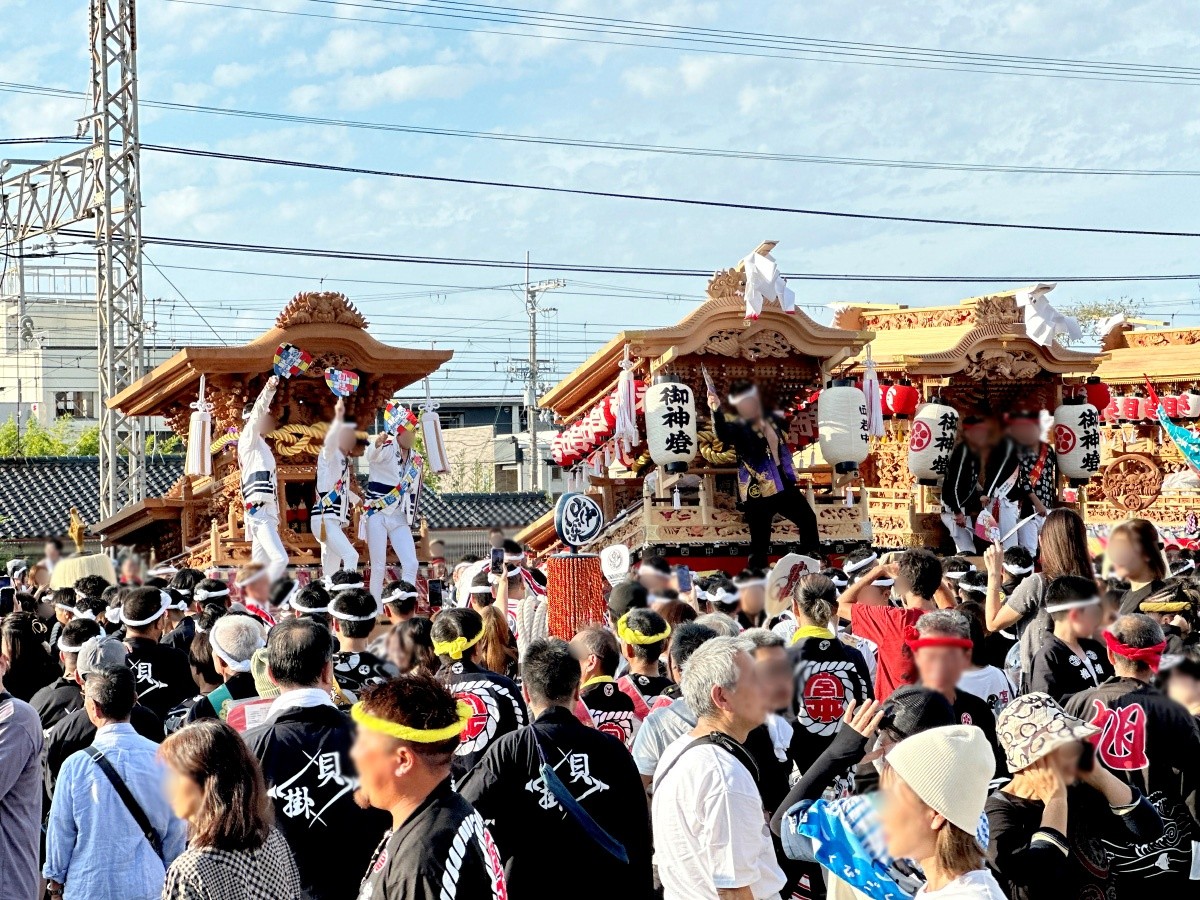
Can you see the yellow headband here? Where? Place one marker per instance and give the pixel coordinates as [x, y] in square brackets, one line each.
[406, 733]
[629, 636]
[455, 648]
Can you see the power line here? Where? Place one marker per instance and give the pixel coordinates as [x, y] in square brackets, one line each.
[1078, 71]
[684, 201]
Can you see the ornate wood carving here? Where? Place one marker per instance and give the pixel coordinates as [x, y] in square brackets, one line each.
[997, 310]
[916, 318]
[1003, 365]
[320, 307]
[727, 283]
[1132, 482]
[1181, 336]
[752, 345]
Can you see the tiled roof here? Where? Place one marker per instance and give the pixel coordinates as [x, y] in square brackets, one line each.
[36, 496]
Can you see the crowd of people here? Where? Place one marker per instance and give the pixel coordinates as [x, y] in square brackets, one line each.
[1016, 725]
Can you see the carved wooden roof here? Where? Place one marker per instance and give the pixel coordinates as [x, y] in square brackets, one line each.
[973, 336]
[1163, 354]
[717, 328]
[325, 324]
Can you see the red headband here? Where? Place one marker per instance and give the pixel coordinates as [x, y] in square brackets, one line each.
[1151, 656]
[915, 642]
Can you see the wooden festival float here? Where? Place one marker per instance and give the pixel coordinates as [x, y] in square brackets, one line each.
[199, 521]
[692, 512]
[1144, 472]
[978, 358]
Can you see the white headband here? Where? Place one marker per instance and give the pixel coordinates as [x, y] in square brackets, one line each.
[839, 582]
[257, 576]
[187, 592]
[165, 604]
[202, 595]
[514, 557]
[1071, 604]
[400, 595]
[480, 589]
[957, 575]
[973, 589]
[1017, 570]
[66, 608]
[884, 582]
[113, 615]
[180, 606]
[701, 594]
[67, 648]
[723, 597]
[346, 617]
[851, 568]
[84, 614]
[298, 607]
[750, 582]
[238, 665]
[345, 586]
[735, 399]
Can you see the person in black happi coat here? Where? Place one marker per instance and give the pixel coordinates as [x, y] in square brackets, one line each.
[64, 695]
[495, 701]
[601, 701]
[438, 846]
[540, 842]
[162, 673]
[304, 748]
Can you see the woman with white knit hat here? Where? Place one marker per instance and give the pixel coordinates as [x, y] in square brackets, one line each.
[934, 792]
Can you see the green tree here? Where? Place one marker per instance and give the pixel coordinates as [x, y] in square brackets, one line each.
[35, 439]
[1091, 313]
[88, 442]
[171, 444]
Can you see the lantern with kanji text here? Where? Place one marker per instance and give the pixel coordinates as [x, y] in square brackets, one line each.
[842, 428]
[1189, 405]
[670, 410]
[931, 441]
[1076, 439]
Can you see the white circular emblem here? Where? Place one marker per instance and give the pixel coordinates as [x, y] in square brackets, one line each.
[1075, 660]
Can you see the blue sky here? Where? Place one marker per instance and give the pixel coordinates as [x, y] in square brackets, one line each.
[411, 74]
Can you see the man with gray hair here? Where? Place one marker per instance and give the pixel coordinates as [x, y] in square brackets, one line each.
[941, 646]
[1152, 743]
[710, 835]
[723, 625]
[233, 640]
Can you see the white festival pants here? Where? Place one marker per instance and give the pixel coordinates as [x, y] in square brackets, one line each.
[962, 535]
[337, 552]
[382, 528]
[266, 546]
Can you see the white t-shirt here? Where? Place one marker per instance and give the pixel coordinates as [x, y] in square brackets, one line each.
[977, 885]
[990, 684]
[710, 832]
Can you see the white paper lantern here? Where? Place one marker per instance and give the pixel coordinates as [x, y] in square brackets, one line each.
[670, 423]
[1146, 409]
[1189, 405]
[842, 426]
[1077, 439]
[931, 441]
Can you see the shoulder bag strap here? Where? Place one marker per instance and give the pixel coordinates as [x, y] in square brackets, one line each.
[131, 804]
[725, 742]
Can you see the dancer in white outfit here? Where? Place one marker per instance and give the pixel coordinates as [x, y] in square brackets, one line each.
[335, 494]
[394, 474]
[259, 490]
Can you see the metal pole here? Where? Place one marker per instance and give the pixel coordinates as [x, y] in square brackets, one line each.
[531, 308]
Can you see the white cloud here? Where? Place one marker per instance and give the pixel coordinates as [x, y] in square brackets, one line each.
[231, 75]
[403, 83]
[356, 48]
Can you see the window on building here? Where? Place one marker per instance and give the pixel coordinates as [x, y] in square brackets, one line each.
[77, 404]
[506, 479]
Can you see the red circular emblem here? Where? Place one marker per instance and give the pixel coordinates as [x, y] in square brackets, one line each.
[1064, 439]
[479, 716]
[613, 728]
[919, 437]
[824, 698]
[967, 720]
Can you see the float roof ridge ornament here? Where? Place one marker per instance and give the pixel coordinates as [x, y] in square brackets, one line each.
[323, 307]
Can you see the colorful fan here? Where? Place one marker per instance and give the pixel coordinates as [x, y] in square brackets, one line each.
[397, 416]
[291, 360]
[342, 382]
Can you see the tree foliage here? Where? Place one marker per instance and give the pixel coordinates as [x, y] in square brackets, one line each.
[1092, 313]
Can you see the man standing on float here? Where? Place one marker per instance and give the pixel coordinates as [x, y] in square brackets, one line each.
[394, 473]
[766, 476]
[259, 488]
[334, 496]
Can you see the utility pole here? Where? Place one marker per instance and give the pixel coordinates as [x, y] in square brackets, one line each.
[100, 182]
[532, 293]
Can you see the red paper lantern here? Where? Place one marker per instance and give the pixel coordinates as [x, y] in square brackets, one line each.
[903, 398]
[1098, 394]
[883, 401]
[1130, 409]
[609, 407]
[639, 388]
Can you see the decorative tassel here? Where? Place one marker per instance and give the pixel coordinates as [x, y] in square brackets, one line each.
[431, 433]
[626, 429]
[575, 594]
[675, 501]
[199, 443]
[874, 403]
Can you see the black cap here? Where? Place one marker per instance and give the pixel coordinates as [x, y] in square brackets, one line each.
[913, 709]
[626, 596]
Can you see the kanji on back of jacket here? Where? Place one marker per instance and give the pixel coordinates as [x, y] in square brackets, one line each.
[980, 363]
[639, 437]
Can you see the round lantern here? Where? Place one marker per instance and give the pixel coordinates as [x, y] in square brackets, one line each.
[556, 449]
[1098, 394]
[931, 440]
[1113, 411]
[903, 398]
[1076, 438]
[1189, 405]
[609, 407]
[842, 426]
[888, 412]
[1170, 406]
[1130, 409]
[639, 393]
[670, 423]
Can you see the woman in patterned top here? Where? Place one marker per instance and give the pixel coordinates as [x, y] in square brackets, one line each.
[233, 851]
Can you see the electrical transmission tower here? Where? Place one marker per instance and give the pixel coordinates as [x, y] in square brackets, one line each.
[101, 182]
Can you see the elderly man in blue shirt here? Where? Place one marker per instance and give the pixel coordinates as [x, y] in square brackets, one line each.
[94, 846]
